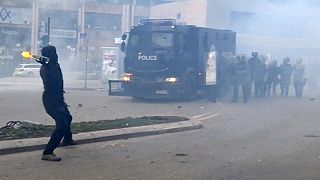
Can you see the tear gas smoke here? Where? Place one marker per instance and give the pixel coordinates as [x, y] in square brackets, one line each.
[279, 29]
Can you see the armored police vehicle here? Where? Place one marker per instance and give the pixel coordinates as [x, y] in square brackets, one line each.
[167, 60]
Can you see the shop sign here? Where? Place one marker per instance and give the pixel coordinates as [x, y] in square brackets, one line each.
[9, 32]
[117, 40]
[12, 15]
[63, 33]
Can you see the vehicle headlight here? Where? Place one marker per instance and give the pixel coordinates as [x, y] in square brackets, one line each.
[127, 77]
[171, 79]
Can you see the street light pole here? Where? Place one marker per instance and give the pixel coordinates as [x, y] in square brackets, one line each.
[86, 65]
[83, 9]
[49, 27]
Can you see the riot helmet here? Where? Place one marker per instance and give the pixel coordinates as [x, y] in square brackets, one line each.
[255, 54]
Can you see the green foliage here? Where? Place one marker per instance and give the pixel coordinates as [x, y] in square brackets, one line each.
[29, 130]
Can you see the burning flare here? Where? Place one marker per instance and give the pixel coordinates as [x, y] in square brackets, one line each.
[40, 59]
[27, 54]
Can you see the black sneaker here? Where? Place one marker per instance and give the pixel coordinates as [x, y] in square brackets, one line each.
[68, 143]
[50, 157]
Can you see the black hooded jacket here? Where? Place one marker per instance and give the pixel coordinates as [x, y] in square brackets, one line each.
[52, 79]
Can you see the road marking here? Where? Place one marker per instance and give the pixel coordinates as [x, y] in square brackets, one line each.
[208, 117]
[205, 116]
[201, 115]
[19, 83]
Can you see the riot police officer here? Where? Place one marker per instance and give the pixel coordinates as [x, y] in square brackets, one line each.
[240, 73]
[298, 78]
[285, 76]
[257, 72]
[272, 79]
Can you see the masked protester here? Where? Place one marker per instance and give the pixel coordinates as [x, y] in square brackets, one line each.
[54, 104]
[285, 76]
[298, 78]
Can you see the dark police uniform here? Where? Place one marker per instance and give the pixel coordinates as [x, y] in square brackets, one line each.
[240, 73]
[298, 78]
[272, 79]
[285, 76]
[257, 78]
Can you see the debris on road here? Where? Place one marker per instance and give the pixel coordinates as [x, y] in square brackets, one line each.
[311, 136]
[181, 155]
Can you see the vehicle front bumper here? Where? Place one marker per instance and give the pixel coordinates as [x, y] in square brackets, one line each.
[152, 89]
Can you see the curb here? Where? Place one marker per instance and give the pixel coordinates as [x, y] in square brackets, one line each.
[33, 144]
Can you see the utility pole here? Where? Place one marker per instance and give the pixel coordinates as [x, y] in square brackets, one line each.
[128, 16]
[35, 26]
[131, 12]
[81, 28]
[83, 12]
[84, 41]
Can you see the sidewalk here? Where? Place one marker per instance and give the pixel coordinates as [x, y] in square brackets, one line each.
[25, 145]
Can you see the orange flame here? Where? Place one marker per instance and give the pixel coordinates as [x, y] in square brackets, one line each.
[27, 54]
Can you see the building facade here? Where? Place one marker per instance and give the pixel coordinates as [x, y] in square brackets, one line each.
[78, 28]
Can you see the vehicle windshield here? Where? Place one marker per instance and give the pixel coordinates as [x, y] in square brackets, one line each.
[157, 40]
[162, 40]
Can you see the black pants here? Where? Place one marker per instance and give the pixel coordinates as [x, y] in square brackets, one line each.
[245, 93]
[298, 87]
[258, 89]
[284, 90]
[212, 93]
[273, 86]
[63, 119]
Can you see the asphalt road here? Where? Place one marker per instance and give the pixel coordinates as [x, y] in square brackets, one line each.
[21, 100]
[276, 138]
